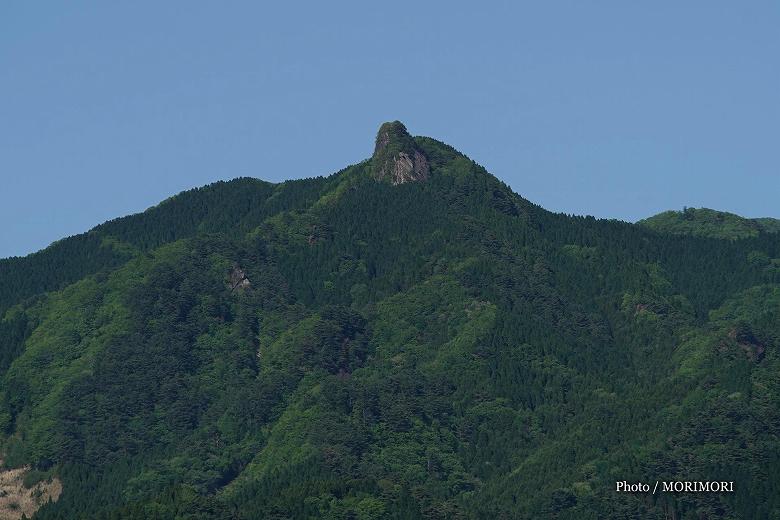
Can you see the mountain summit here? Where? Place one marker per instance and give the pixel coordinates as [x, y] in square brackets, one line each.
[397, 157]
[705, 222]
[340, 347]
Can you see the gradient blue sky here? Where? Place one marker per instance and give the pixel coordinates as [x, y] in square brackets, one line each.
[612, 108]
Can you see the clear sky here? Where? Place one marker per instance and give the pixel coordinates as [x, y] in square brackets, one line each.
[611, 108]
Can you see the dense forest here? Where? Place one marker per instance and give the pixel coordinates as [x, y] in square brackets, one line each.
[707, 222]
[404, 339]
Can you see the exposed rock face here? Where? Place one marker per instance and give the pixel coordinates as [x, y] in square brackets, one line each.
[238, 279]
[747, 341]
[16, 499]
[396, 157]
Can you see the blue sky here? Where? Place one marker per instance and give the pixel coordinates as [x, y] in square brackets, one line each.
[615, 109]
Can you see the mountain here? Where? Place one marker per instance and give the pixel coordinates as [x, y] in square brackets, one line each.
[406, 338]
[706, 222]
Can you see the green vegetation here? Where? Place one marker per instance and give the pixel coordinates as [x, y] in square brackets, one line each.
[436, 349]
[705, 222]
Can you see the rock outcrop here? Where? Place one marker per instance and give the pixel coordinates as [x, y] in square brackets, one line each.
[396, 156]
[18, 499]
[238, 279]
[748, 342]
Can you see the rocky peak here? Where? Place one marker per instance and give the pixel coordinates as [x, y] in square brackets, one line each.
[397, 157]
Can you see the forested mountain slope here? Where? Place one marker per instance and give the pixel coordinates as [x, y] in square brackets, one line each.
[232, 208]
[710, 223]
[406, 338]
